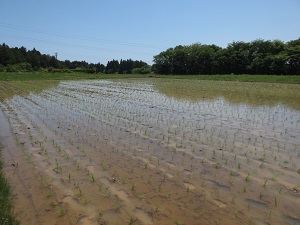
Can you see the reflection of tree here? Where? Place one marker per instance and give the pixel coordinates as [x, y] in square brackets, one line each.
[254, 94]
[24, 88]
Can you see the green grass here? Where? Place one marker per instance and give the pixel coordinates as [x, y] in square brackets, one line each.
[77, 76]
[63, 76]
[6, 207]
[240, 78]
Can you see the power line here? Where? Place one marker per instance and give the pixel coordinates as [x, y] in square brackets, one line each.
[10, 26]
[75, 46]
[79, 56]
[95, 58]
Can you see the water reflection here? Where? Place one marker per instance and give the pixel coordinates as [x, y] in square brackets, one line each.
[9, 89]
[253, 94]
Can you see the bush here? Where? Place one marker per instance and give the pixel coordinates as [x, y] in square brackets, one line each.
[61, 70]
[20, 67]
[84, 70]
[2, 68]
[142, 70]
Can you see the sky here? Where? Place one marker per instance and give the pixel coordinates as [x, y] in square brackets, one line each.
[102, 30]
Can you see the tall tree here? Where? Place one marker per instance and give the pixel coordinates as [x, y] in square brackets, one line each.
[6, 55]
[237, 54]
[256, 57]
[112, 67]
[293, 56]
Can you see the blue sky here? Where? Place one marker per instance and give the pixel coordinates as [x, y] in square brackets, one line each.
[98, 31]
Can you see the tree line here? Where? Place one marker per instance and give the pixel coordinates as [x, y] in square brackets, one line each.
[256, 57]
[23, 60]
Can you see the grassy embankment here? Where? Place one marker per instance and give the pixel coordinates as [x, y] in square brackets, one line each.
[6, 207]
[75, 76]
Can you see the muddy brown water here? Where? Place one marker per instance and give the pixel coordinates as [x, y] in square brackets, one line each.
[154, 152]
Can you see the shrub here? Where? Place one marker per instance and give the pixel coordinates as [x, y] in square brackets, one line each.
[142, 70]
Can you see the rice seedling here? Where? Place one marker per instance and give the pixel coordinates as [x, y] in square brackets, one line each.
[92, 178]
[233, 172]
[226, 162]
[276, 202]
[66, 156]
[157, 208]
[247, 177]
[280, 191]
[50, 194]
[233, 199]
[274, 177]
[62, 212]
[105, 193]
[103, 166]
[117, 207]
[217, 165]
[131, 220]
[80, 191]
[141, 196]
[251, 222]
[231, 181]
[269, 214]
[86, 201]
[176, 222]
[133, 186]
[265, 183]
[43, 181]
[54, 204]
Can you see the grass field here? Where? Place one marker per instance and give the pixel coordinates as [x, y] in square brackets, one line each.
[241, 78]
[63, 76]
[75, 76]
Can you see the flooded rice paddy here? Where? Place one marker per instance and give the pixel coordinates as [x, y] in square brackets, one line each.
[152, 151]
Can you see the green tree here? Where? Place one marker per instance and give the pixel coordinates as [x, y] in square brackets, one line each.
[100, 68]
[163, 62]
[6, 55]
[179, 60]
[238, 61]
[293, 57]
[112, 67]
